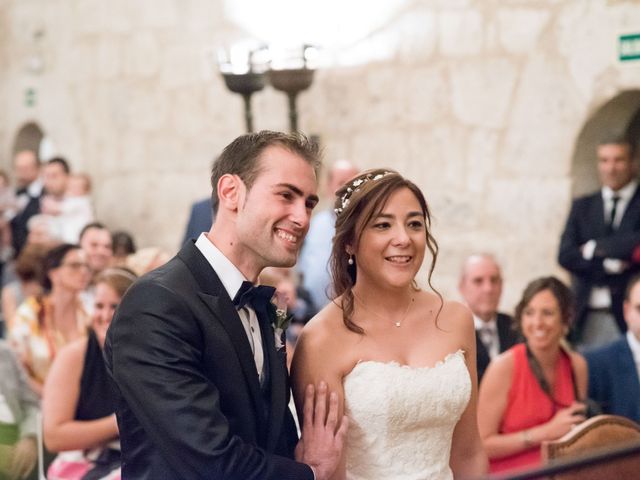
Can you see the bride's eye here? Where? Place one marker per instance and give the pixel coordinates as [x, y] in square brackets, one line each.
[381, 225]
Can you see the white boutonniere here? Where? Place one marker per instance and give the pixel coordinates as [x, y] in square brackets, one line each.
[281, 320]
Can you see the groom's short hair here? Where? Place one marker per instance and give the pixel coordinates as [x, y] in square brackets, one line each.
[241, 156]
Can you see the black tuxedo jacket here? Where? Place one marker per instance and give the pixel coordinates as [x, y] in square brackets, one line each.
[190, 404]
[586, 221]
[507, 336]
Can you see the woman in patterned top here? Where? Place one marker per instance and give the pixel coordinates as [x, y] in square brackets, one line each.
[45, 323]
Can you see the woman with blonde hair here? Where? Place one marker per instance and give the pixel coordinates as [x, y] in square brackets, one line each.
[79, 403]
[400, 360]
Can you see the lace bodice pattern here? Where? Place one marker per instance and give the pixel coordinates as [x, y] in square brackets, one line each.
[402, 418]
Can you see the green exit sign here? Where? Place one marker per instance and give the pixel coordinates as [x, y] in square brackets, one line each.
[629, 47]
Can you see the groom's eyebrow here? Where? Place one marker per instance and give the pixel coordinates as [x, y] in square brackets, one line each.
[311, 200]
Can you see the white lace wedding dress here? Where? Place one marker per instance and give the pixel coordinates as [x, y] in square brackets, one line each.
[401, 418]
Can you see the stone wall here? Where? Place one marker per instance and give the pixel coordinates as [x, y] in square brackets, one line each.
[481, 102]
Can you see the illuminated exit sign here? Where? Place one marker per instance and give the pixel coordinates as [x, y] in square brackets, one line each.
[629, 47]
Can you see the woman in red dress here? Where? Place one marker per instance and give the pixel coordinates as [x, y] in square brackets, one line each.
[531, 393]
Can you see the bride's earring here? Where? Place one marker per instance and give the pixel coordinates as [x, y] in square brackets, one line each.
[350, 261]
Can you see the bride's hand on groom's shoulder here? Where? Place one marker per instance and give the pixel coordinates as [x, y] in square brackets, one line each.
[322, 440]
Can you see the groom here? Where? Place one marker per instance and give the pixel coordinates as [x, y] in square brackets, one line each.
[203, 389]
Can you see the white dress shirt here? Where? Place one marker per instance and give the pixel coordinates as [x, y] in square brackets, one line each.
[488, 333]
[232, 279]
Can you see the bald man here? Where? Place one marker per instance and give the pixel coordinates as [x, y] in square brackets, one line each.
[313, 262]
[481, 287]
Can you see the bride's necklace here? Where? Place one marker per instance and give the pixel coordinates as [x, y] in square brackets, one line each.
[397, 323]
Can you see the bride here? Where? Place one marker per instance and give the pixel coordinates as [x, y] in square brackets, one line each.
[401, 359]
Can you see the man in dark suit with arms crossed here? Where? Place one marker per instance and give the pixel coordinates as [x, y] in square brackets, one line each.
[203, 389]
[598, 241]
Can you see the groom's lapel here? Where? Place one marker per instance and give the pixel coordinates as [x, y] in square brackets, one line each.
[278, 379]
[226, 314]
[219, 304]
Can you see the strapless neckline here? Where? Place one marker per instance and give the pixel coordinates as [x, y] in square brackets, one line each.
[396, 364]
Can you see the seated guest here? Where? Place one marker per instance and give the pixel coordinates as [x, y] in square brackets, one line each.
[43, 324]
[146, 259]
[28, 269]
[614, 368]
[481, 287]
[287, 284]
[78, 403]
[18, 419]
[123, 246]
[532, 392]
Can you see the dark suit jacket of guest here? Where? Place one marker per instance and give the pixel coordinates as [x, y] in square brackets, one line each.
[19, 231]
[613, 379]
[200, 219]
[190, 403]
[586, 221]
[507, 336]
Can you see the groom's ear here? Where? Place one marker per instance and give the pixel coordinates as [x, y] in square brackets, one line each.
[230, 192]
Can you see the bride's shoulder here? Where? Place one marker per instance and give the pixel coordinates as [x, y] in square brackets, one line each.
[325, 324]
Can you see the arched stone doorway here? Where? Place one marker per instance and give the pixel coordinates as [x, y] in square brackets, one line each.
[619, 116]
[29, 137]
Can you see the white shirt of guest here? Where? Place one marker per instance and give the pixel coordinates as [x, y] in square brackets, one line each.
[600, 297]
[488, 333]
[624, 197]
[634, 345]
[232, 279]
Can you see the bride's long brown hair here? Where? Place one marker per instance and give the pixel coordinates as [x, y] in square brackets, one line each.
[357, 202]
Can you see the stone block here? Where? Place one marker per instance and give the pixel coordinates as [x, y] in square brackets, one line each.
[436, 156]
[461, 33]
[581, 24]
[520, 28]
[145, 107]
[108, 58]
[482, 90]
[419, 35]
[142, 55]
[181, 66]
[545, 118]
[426, 95]
[530, 206]
[481, 159]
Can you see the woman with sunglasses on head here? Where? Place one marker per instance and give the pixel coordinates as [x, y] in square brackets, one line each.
[532, 392]
[79, 403]
[43, 324]
[399, 359]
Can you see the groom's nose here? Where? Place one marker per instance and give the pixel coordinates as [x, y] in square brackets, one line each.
[300, 214]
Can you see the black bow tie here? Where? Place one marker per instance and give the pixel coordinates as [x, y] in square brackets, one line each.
[21, 191]
[257, 296]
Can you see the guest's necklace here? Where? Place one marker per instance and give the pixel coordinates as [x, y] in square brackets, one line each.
[397, 323]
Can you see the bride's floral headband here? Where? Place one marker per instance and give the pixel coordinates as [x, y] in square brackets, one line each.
[355, 187]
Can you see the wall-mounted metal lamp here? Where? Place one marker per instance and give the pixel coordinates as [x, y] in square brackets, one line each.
[291, 73]
[244, 73]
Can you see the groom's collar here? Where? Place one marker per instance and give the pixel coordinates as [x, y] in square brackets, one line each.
[227, 272]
